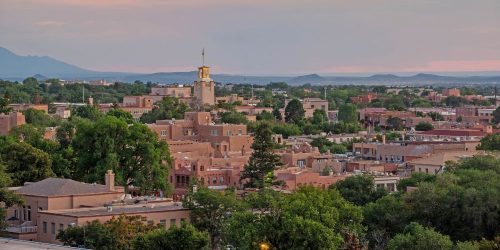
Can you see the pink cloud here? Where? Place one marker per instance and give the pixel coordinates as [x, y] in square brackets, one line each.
[432, 66]
[458, 65]
[49, 23]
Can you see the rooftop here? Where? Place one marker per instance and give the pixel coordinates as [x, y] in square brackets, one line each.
[61, 187]
[119, 209]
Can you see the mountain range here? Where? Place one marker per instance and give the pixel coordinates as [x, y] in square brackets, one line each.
[17, 67]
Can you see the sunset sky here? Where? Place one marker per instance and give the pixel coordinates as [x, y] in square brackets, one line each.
[287, 37]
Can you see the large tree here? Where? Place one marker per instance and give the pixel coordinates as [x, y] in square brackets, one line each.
[7, 197]
[359, 189]
[490, 142]
[122, 114]
[4, 105]
[496, 115]
[185, 237]
[294, 111]
[133, 152]
[117, 233]
[168, 108]
[415, 236]
[263, 160]
[348, 113]
[210, 210]
[234, 117]
[25, 163]
[310, 218]
[424, 126]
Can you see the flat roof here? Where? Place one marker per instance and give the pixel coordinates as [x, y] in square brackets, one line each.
[118, 210]
[15, 244]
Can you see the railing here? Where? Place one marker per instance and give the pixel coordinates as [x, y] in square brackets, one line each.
[21, 229]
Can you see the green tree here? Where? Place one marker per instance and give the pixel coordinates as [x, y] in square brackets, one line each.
[348, 113]
[435, 116]
[417, 237]
[168, 108]
[117, 233]
[294, 111]
[395, 102]
[309, 218]
[234, 117]
[286, 129]
[266, 116]
[319, 117]
[496, 115]
[25, 163]
[490, 142]
[414, 180]
[359, 189]
[424, 126]
[7, 198]
[385, 218]
[209, 211]
[277, 114]
[395, 123]
[4, 105]
[184, 237]
[133, 152]
[40, 118]
[90, 112]
[263, 160]
[121, 114]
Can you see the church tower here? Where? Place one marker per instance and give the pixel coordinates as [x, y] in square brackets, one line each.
[204, 87]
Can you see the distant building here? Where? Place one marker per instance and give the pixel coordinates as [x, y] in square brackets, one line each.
[451, 92]
[10, 121]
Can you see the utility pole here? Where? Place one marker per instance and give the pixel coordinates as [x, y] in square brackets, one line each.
[83, 93]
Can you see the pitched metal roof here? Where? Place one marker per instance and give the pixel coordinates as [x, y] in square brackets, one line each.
[61, 187]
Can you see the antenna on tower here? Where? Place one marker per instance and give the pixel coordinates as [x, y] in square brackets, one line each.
[203, 56]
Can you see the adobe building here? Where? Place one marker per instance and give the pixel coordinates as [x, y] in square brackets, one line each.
[54, 204]
[309, 105]
[10, 121]
[24, 106]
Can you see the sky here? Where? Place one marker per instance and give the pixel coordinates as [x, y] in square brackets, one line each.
[259, 37]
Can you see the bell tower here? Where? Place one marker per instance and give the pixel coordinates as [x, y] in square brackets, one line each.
[204, 86]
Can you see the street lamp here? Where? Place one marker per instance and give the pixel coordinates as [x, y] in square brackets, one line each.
[264, 246]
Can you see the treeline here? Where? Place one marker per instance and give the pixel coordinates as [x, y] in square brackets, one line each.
[51, 90]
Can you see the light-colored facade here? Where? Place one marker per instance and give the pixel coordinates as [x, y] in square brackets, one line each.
[204, 87]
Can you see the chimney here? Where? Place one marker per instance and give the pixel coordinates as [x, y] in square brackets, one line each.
[109, 179]
[383, 139]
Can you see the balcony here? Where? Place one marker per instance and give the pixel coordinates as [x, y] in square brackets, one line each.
[26, 227]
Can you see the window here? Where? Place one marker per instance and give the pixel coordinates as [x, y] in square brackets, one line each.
[215, 132]
[221, 179]
[214, 180]
[150, 222]
[61, 227]
[183, 220]
[15, 213]
[202, 168]
[229, 133]
[163, 222]
[24, 213]
[163, 133]
[53, 228]
[301, 163]
[29, 213]
[44, 227]
[240, 131]
[173, 222]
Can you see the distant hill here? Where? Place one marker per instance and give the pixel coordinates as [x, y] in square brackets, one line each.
[16, 67]
[12, 65]
[312, 79]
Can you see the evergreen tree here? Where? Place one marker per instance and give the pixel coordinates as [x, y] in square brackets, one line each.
[263, 160]
[294, 111]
